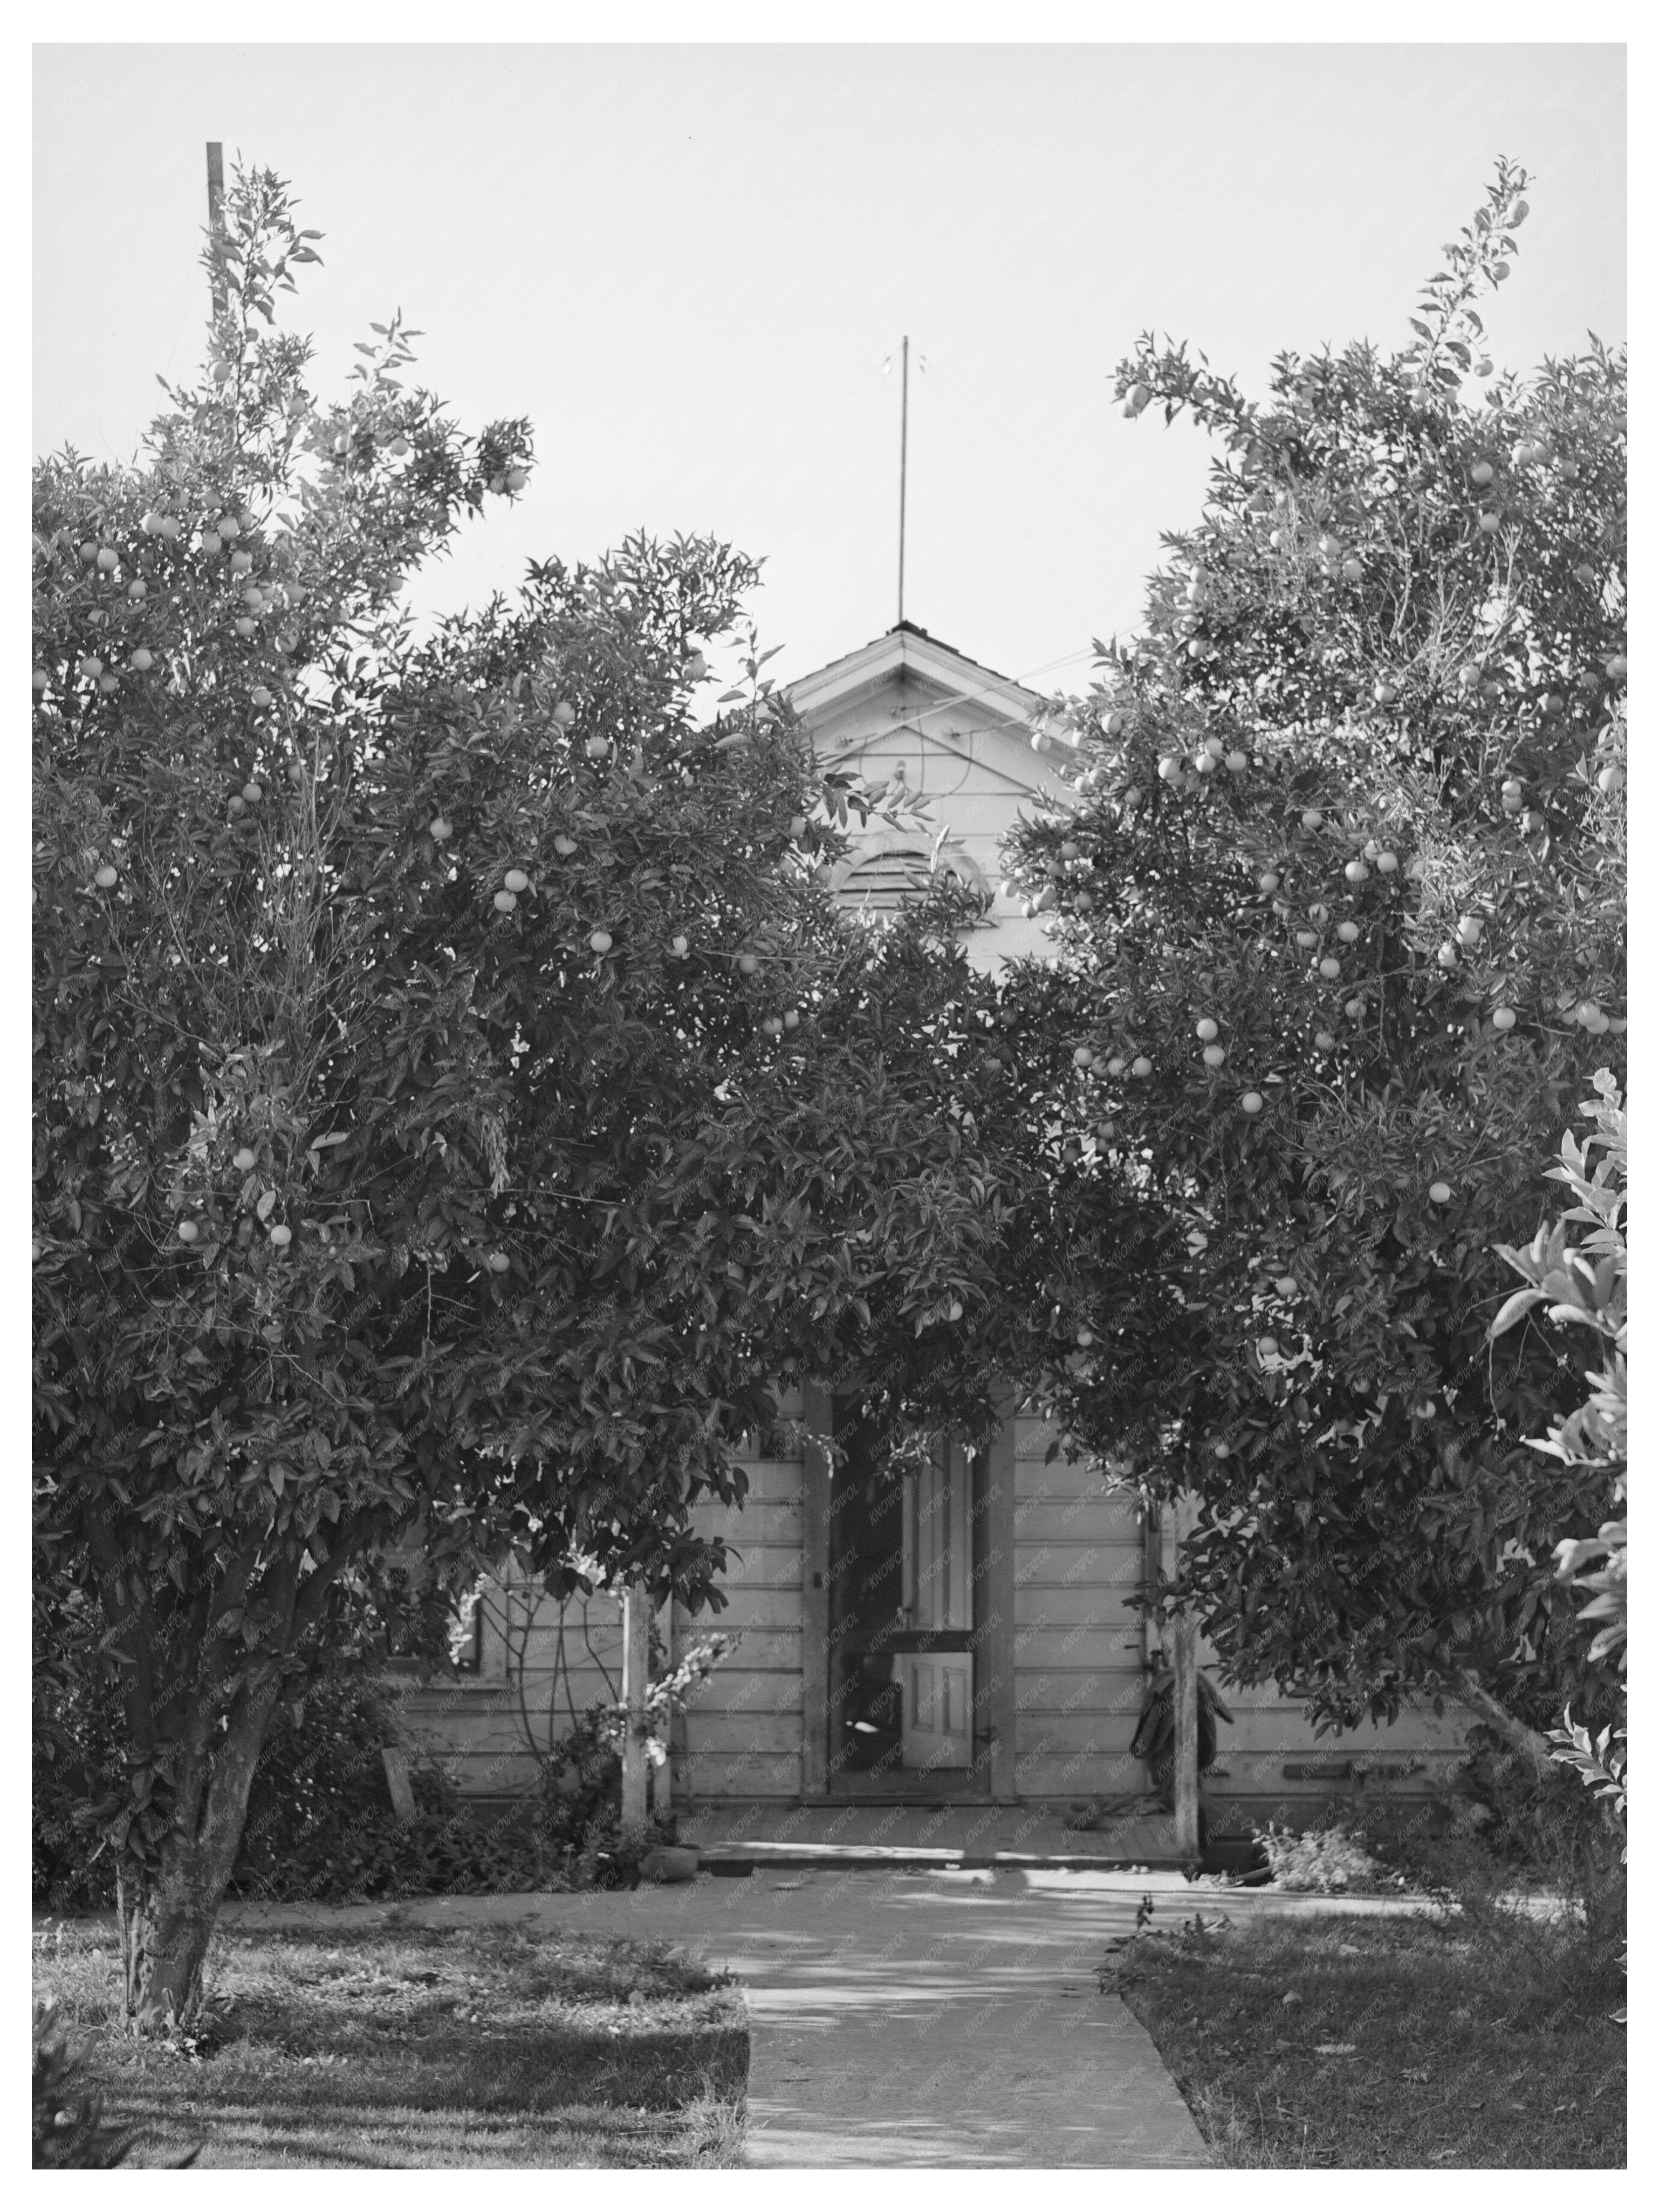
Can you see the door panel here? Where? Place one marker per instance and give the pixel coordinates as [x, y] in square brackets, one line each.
[937, 1724]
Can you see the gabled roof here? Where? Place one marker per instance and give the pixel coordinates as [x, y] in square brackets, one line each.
[907, 643]
[962, 690]
[906, 698]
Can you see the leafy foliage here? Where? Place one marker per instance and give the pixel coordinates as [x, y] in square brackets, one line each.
[321, 1826]
[320, 1820]
[68, 2128]
[67, 2124]
[1325, 1859]
[1339, 910]
[74, 1749]
[576, 1801]
[457, 1095]
[1599, 1761]
[1584, 1285]
[580, 1836]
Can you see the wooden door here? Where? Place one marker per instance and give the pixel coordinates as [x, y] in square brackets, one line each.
[938, 1722]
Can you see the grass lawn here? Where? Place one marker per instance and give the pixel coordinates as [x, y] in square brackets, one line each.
[1360, 2043]
[485, 2046]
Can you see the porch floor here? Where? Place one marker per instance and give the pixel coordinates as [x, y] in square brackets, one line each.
[920, 1835]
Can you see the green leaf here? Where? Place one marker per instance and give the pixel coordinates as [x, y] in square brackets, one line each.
[1510, 1311]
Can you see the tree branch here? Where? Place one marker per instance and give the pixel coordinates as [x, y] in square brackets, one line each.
[139, 1697]
[1515, 1733]
[313, 1592]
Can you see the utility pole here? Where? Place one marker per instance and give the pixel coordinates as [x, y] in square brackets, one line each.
[904, 455]
[216, 173]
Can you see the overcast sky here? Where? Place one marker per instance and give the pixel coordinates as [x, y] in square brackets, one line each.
[688, 266]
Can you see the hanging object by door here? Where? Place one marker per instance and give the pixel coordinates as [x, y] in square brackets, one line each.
[938, 1660]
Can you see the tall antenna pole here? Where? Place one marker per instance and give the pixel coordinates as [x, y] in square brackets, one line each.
[904, 456]
[215, 168]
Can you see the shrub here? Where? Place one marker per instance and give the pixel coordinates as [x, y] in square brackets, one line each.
[1564, 1949]
[1325, 1859]
[1543, 1830]
[321, 1821]
[67, 2125]
[74, 1755]
[581, 1838]
[1530, 1887]
[69, 1873]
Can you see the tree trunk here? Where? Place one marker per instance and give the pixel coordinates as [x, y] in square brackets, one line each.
[199, 1738]
[167, 1914]
[168, 1907]
[1515, 1733]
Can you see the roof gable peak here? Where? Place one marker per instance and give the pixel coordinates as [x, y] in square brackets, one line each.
[908, 652]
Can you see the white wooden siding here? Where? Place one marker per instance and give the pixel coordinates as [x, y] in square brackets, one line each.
[741, 1734]
[1078, 1650]
[1077, 1645]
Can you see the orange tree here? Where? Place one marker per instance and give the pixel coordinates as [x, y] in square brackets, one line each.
[455, 1095]
[1339, 905]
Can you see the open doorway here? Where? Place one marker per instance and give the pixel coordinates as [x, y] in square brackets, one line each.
[905, 1536]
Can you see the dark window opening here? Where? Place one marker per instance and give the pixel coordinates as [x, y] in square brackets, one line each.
[468, 1648]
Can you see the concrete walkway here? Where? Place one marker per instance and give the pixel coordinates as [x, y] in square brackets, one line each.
[907, 2021]
[911, 2016]
[900, 2018]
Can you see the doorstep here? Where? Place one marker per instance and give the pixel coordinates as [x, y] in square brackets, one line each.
[1213, 1893]
[735, 1858]
[922, 1836]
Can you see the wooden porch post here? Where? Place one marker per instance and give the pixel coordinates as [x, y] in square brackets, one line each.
[1185, 1641]
[818, 1413]
[1184, 1651]
[636, 1671]
[997, 1608]
[662, 1780]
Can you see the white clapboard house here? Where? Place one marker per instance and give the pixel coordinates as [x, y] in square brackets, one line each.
[959, 1636]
